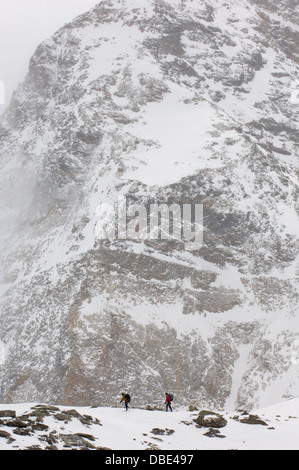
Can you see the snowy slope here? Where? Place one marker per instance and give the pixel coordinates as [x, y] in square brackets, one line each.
[137, 429]
[157, 102]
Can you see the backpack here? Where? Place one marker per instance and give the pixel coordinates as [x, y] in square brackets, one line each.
[128, 398]
[170, 396]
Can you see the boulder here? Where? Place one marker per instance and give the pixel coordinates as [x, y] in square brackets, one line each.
[210, 419]
[7, 414]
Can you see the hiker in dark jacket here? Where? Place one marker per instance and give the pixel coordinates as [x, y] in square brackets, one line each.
[167, 402]
[126, 399]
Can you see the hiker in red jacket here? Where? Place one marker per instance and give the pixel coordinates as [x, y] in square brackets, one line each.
[168, 401]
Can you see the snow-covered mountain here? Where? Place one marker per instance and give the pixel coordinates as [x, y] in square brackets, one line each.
[182, 102]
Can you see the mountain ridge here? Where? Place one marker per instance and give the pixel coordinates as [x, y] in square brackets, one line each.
[47, 427]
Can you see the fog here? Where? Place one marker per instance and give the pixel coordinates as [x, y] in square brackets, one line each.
[24, 24]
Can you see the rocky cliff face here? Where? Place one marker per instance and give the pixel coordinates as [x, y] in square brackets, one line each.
[180, 102]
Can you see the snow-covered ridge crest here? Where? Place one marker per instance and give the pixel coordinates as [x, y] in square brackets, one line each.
[47, 427]
[187, 103]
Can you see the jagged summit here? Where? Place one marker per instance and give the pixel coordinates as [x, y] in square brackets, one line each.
[181, 102]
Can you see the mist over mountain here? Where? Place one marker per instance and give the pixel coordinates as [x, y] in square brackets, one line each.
[184, 102]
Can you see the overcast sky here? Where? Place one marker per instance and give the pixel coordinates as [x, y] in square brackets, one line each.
[24, 24]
